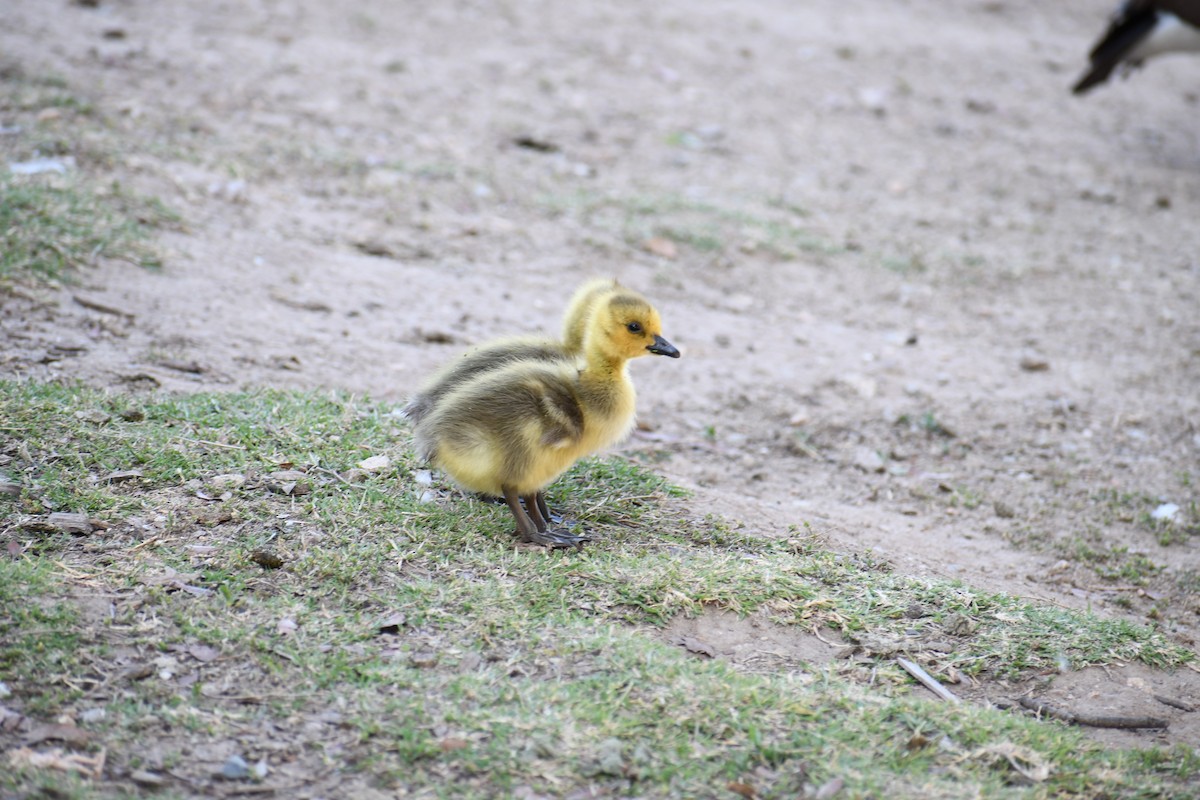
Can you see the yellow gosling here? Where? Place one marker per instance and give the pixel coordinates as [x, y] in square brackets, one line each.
[510, 431]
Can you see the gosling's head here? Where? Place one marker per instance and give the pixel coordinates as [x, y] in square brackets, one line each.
[624, 324]
[580, 309]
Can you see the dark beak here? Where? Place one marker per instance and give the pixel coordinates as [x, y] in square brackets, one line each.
[662, 347]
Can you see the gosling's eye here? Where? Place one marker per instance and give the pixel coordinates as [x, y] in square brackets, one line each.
[634, 327]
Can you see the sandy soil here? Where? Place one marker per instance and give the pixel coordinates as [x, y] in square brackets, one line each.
[931, 305]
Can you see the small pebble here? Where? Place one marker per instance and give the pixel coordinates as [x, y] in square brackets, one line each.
[1165, 511]
[868, 460]
[1032, 362]
[235, 769]
[146, 778]
[92, 715]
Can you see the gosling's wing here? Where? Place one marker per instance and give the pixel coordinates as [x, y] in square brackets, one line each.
[516, 409]
[1131, 24]
[561, 413]
[473, 363]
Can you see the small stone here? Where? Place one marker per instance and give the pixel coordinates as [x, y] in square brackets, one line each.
[39, 165]
[609, 759]
[68, 522]
[424, 659]
[959, 624]
[235, 769]
[861, 384]
[92, 715]
[1166, 511]
[868, 460]
[1003, 510]
[740, 302]
[267, 559]
[146, 778]
[231, 480]
[9, 487]
[289, 482]
[423, 477]
[663, 248]
[874, 100]
[355, 475]
[1033, 362]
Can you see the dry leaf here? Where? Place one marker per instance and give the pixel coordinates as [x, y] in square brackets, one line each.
[58, 759]
[375, 463]
[744, 789]
[62, 733]
[1028, 763]
[204, 653]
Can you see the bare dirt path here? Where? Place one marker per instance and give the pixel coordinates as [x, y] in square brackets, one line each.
[931, 306]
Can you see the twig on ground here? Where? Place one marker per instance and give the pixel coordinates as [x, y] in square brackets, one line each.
[1090, 720]
[334, 474]
[931, 683]
[215, 444]
[103, 308]
[1173, 703]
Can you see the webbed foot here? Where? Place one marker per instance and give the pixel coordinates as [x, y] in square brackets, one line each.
[532, 526]
[556, 538]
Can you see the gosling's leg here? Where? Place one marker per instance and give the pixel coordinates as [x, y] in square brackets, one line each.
[538, 502]
[529, 530]
[534, 509]
[547, 514]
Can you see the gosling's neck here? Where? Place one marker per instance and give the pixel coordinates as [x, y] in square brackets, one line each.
[605, 378]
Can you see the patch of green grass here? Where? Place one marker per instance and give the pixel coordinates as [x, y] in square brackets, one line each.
[905, 265]
[927, 423]
[1114, 563]
[707, 227]
[498, 667]
[965, 497]
[51, 225]
[51, 231]
[38, 632]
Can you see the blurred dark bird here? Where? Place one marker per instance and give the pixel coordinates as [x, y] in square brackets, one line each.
[1140, 29]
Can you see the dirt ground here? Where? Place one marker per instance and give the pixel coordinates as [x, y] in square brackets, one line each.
[930, 305]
